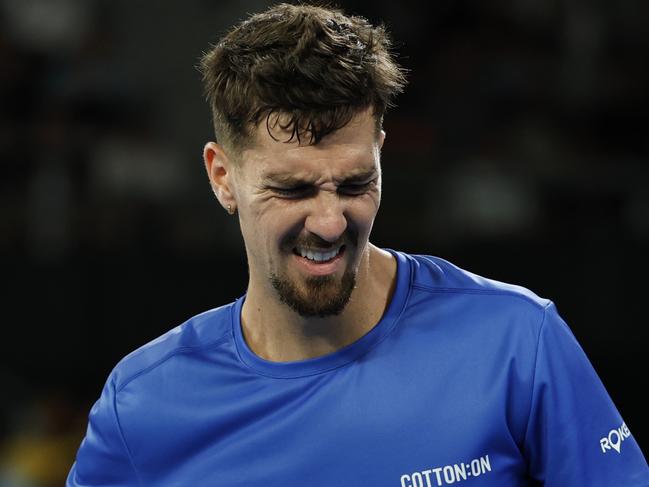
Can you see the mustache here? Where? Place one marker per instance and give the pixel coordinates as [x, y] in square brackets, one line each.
[349, 237]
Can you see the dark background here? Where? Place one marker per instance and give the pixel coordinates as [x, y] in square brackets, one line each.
[519, 151]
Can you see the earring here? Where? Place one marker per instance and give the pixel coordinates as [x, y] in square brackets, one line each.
[230, 210]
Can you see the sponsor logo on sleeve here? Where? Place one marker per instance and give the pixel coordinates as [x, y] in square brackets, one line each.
[614, 439]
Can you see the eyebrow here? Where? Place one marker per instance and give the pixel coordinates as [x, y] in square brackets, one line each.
[289, 179]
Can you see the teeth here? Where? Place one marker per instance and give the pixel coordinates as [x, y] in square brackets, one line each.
[318, 256]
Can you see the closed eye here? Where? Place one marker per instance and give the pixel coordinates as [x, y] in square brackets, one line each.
[294, 192]
[356, 189]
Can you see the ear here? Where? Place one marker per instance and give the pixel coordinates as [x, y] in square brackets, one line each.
[220, 169]
[381, 139]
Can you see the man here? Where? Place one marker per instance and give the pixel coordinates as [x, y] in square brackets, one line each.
[344, 364]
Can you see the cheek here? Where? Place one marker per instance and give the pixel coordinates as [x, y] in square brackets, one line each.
[366, 208]
[267, 225]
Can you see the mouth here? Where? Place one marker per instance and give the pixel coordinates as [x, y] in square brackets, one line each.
[319, 262]
[318, 256]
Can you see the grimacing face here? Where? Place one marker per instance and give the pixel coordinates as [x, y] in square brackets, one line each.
[306, 213]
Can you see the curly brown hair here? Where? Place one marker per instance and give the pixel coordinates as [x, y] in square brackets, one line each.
[303, 68]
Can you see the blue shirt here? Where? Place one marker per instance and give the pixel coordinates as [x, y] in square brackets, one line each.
[464, 380]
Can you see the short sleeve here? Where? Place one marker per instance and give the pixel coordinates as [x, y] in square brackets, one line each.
[575, 435]
[103, 458]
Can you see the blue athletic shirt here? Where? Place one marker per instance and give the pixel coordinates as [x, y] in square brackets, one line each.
[464, 380]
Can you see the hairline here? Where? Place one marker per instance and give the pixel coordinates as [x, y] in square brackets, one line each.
[235, 150]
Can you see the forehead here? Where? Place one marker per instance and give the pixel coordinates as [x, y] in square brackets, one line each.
[350, 151]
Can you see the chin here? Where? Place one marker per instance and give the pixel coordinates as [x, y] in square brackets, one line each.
[318, 296]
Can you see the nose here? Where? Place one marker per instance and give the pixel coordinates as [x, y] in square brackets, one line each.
[326, 217]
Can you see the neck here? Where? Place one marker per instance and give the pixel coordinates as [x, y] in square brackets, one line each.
[275, 332]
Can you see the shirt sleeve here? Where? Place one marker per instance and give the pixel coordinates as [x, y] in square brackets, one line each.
[103, 458]
[575, 435]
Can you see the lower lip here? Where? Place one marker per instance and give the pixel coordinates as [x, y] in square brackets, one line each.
[320, 268]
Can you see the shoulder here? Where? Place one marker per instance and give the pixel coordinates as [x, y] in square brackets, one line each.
[439, 285]
[205, 330]
[438, 275]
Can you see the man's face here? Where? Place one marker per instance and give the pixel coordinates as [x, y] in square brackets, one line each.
[306, 213]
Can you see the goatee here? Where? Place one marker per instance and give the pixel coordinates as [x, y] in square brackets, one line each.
[321, 296]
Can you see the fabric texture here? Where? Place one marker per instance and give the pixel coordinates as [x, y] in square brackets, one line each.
[464, 380]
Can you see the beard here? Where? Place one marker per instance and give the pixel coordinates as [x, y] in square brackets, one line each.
[320, 296]
[317, 296]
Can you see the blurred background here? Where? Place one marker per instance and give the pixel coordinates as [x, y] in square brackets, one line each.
[519, 151]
